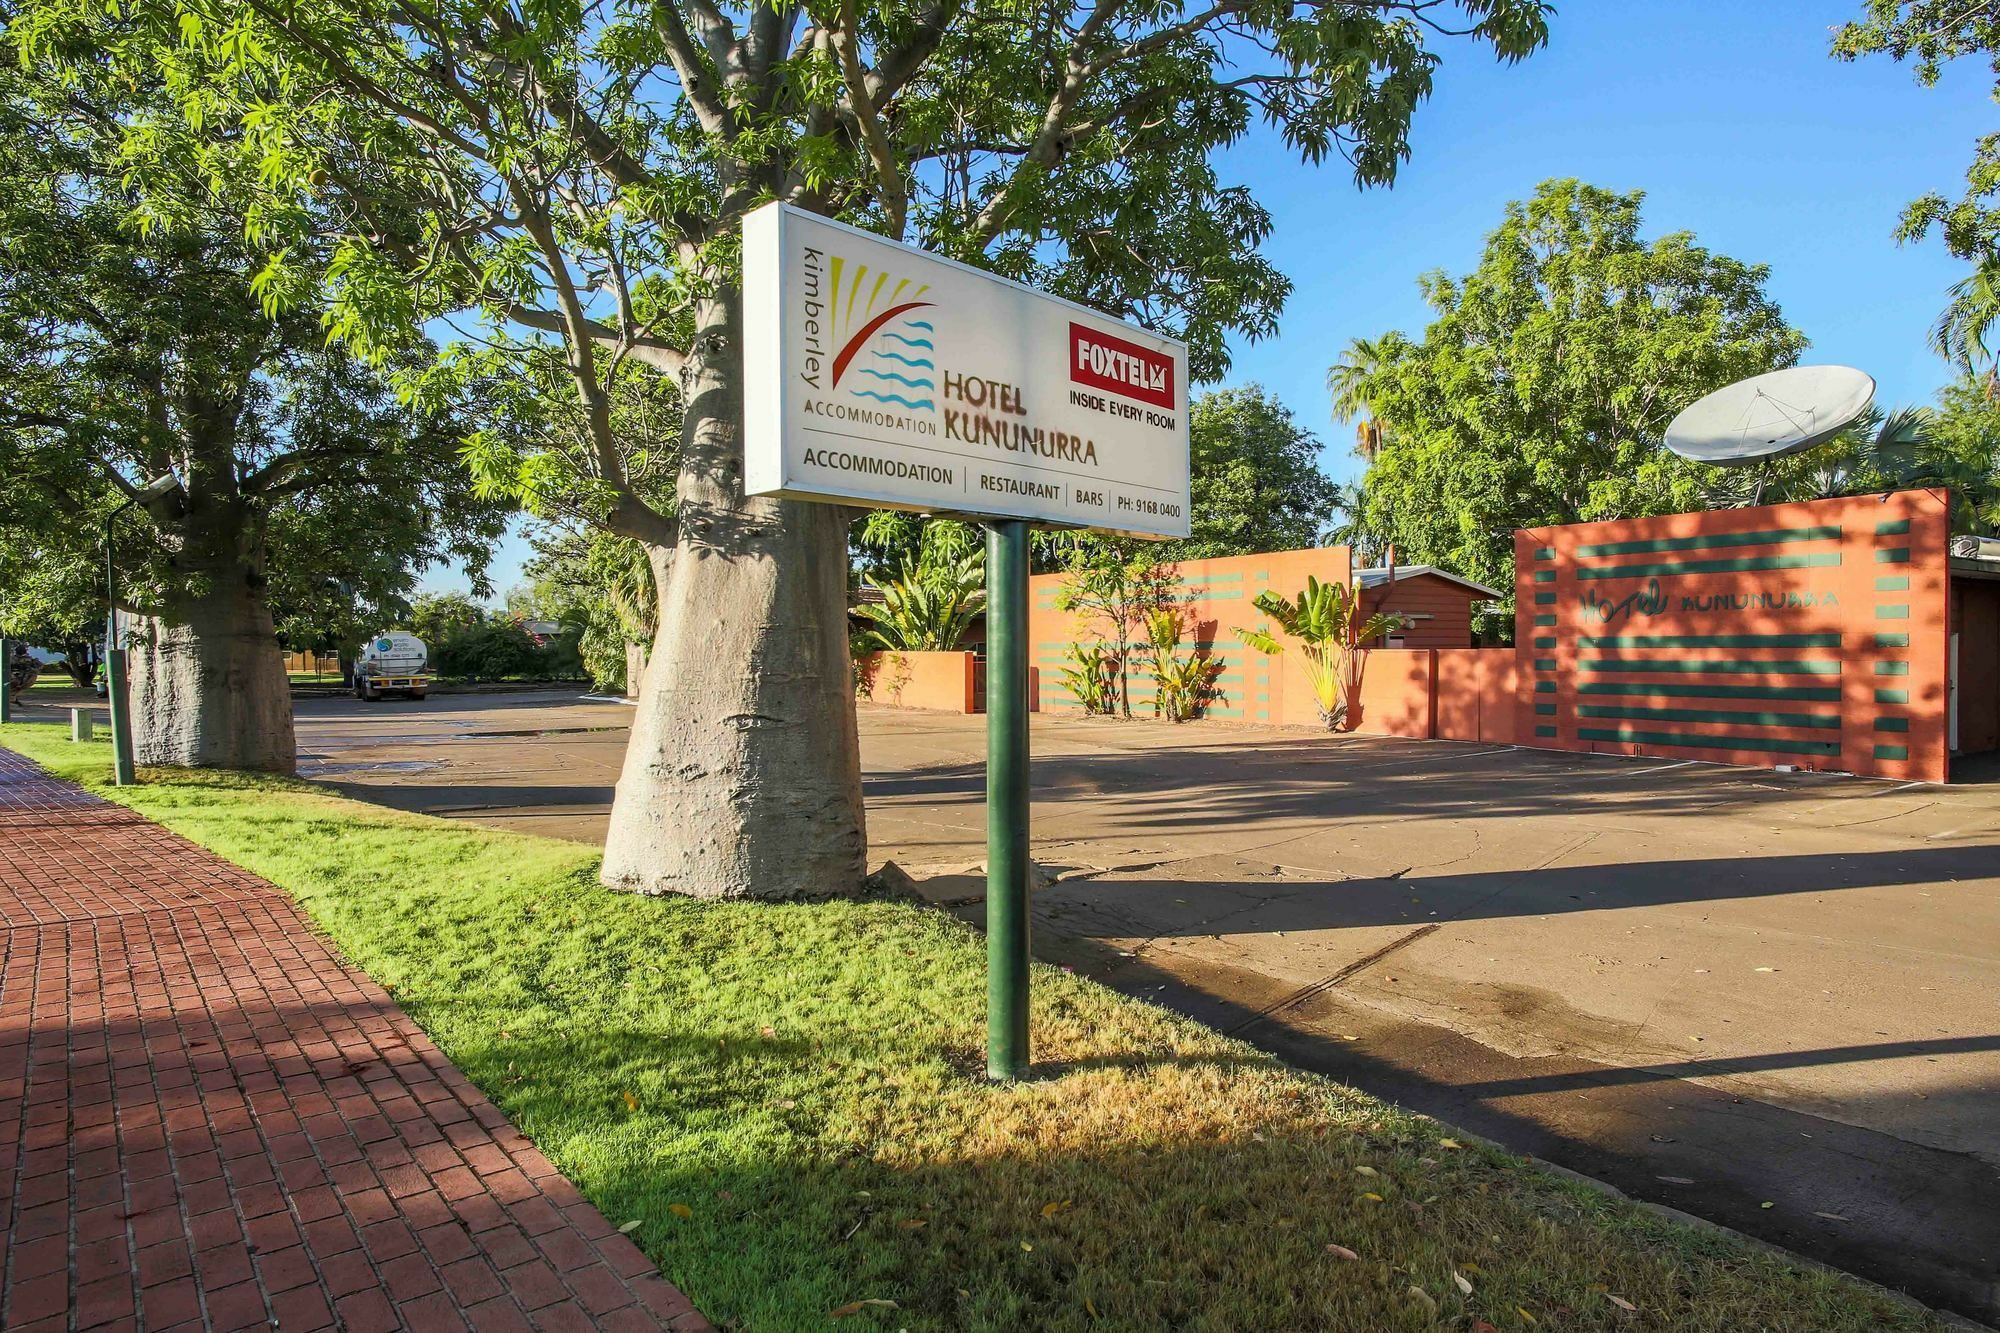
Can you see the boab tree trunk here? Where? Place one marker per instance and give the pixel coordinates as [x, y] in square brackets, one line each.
[743, 775]
[208, 683]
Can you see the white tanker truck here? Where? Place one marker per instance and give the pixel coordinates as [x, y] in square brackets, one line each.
[392, 663]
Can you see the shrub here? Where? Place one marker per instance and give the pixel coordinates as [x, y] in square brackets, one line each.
[493, 650]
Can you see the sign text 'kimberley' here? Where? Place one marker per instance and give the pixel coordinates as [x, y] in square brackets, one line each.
[881, 374]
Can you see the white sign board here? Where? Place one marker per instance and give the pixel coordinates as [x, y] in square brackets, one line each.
[879, 374]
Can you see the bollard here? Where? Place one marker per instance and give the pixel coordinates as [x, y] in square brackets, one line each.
[82, 724]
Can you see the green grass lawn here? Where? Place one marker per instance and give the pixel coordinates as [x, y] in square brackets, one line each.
[788, 1101]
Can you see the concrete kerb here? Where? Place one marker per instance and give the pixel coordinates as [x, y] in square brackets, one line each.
[1671, 1214]
[960, 886]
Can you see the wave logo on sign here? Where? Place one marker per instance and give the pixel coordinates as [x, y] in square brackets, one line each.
[884, 344]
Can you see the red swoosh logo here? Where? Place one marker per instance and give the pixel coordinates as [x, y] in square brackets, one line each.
[868, 331]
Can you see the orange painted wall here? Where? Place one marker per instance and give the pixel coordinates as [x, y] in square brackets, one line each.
[940, 681]
[1811, 634]
[1250, 687]
[1398, 693]
[1446, 606]
[1477, 695]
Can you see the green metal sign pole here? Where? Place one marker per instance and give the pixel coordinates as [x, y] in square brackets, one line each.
[1007, 867]
[6, 680]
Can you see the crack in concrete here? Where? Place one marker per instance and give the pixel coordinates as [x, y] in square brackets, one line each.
[1354, 968]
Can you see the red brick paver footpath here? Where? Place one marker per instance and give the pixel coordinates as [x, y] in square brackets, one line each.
[208, 1120]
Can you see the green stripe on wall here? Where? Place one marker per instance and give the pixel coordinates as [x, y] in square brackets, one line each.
[1892, 668]
[1898, 583]
[1545, 553]
[1892, 696]
[1545, 687]
[1894, 555]
[1546, 641]
[1712, 641]
[1895, 611]
[1817, 694]
[1892, 527]
[1730, 565]
[1545, 664]
[1709, 667]
[1695, 741]
[1892, 640]
[1892, 752]
[1892, 724]
[1714, 541]
[1819, 721]
[1545, 599]
[1545, 576]
[1545, 622]
[1545, 731]
[1545, 710]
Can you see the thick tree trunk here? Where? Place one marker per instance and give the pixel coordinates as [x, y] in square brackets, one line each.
[208, 683]
[80, 660]
[743, 775]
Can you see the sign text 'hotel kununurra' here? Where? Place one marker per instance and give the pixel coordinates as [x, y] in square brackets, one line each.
[878, 374]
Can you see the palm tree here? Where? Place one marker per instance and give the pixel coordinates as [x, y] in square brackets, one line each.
[1960, 332]
[1330, 625]
[1880, 451]
[1353, 528]
[1349, 380]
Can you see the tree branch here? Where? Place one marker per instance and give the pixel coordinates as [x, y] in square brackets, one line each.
[653, 352]
[888, 173]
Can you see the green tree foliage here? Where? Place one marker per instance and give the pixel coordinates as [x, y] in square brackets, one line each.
[1113, 594]
[491, 650]
[438, 616]
[51, 595]
[134, 353]
[1257, 484]
[1931, 34]
[1962, 450]
[600, 585]
[572, 178]
[1539, 392]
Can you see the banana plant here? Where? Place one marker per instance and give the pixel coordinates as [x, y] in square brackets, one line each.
[1088, 677]
[1330, 625]
[926, 610]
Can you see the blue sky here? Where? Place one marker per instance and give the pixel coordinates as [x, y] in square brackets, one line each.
[1729, 114]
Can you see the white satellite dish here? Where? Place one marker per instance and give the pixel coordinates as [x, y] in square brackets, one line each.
[1768, 416]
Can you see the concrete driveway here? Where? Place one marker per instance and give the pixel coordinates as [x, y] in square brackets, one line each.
[1768, 999]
